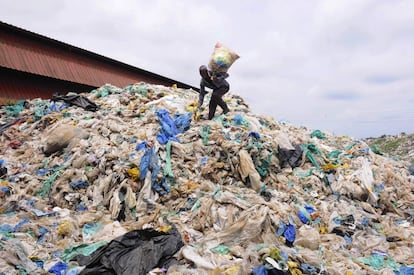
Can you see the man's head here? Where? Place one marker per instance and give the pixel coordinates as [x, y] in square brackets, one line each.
[204, 72]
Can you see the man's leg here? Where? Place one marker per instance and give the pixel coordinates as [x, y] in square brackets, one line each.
[217, 99]
[212, 106]
[221, 92]
[202, 93]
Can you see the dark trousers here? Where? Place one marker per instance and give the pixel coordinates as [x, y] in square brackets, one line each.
[216, 97]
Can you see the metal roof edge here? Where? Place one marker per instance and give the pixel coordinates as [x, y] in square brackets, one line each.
[33, 35]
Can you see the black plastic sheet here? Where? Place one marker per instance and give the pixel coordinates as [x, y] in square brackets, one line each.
[291, 157]
[77, 100]
[136, 252]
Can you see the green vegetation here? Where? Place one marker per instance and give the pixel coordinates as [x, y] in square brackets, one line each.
[400, 146]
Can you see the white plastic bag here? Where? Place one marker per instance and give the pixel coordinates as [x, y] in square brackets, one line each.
[308, 237]
[247, 169]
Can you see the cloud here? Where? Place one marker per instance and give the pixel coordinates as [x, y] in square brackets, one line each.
[382, 79]
[341, 95]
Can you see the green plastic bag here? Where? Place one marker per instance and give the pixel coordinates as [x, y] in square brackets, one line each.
[14, 110]
[318, 134]
[375, 149]
[222, 249]
[309, 150]
[205, 133]
[168, 170]
[81, 249]
[379, 262]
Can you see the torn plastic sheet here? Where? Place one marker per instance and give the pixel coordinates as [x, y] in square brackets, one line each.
[291, 157]
[136, 252]
[82, 249]
[77, 100]
[171, 127]
[168, 127]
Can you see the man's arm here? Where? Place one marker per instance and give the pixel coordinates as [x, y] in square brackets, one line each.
[219, 78]
[202, 94]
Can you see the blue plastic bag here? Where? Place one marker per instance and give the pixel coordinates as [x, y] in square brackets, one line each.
[168, 128]
[79, 184]
[59, 268]
[260, 270]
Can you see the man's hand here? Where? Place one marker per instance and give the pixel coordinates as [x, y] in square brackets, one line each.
[213, 75]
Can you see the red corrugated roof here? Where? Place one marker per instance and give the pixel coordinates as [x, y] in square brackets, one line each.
[33, 53]
[40, 59]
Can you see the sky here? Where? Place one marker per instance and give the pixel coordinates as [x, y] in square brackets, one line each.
[341, 66]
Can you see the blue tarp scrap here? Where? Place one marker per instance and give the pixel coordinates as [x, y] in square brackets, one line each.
[39, 263]
[42, 233]
[5, 190]
[9, 228]
[260, 270]
[203, 160]
[405, 270]
[163, 188]
[45, 171]
[141, 146]
[150, 162]
[59, 268]
[81, 207]
[304, 216]
[40, 213]
[144, 166]
[239, 120]
[56, 254]
[254, 134]
[168, 128]
[55, 107]
[308, 268]
[79, 184]
[171, 127]
[182, 121]
[287, 230]
[20, 224]
[290, 233]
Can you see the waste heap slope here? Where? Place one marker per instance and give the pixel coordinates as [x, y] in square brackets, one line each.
[399, 146]
[239, 194]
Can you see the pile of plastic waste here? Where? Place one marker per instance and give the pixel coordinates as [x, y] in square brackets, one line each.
[400, 146]
[127, 181]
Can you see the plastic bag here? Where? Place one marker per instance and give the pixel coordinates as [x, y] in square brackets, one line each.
[247, 169]
[192, 255]
[136, 252]
[308, 237]
[222, 58]
[59, 137]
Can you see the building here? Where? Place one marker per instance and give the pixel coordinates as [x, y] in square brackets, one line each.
[36, 66]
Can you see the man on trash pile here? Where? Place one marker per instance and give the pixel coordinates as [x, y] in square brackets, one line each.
[217, 82]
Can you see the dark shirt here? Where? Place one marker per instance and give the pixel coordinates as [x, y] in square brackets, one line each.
[218, 81]
[215, 82]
